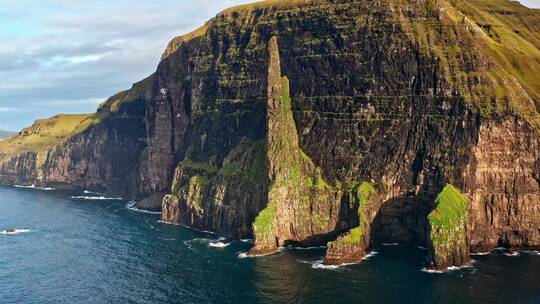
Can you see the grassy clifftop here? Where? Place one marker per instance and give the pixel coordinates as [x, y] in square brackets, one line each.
[45, 133]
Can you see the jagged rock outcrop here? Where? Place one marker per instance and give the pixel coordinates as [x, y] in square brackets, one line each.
[449, 230]
[270, 118]
[302, 208]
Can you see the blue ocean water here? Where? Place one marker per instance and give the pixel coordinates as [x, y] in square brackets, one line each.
[75, 250]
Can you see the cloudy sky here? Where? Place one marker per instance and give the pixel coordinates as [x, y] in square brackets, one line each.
[66, 56]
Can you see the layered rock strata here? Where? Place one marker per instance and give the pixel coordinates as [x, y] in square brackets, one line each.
[267, 120]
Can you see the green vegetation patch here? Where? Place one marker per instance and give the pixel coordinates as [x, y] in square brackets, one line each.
[364, 191]
[451, 208]
[352, 237]
[264, 222]
[46, 133]
[449, 216]
[204, 166]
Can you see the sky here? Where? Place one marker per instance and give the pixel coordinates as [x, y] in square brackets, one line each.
[66, 56]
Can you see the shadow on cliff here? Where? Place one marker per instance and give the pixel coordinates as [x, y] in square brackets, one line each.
[346, 221]
[402, 220]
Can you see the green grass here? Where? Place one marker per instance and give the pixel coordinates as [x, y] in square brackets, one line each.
[352, 237]
[46, 133]
[451, 208]
[262, 5]
[204, 166]
[364, 191]
[265, 220]
[363, 194]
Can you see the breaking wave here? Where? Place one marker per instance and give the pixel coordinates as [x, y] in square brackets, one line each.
[218, 244]
[132, 206]
[95, 198]
[14, 231]
[305, 248]
[34, 187]
[91, 192]
[371, 254]
[481, 253]
[450, 269]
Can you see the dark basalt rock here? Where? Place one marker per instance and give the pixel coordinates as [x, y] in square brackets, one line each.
[409, 96]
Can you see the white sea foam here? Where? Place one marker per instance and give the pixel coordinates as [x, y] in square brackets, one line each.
[246, 240]
[218, 244]
[166, 239]
[34, 187]
[371, 254]
[96, 198]
[431, 270]
[131, 206]
[305, 248]
[481, 253]
[205, 241]
[390, 244]
[319, 264]
[243, 255]
[531, 252]
[512, 254]
[91, 192]
[422, 247]
[450, 269]
[14, 231]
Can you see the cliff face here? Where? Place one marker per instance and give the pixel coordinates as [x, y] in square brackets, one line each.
[307, 122]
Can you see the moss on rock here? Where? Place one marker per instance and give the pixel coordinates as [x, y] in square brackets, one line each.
[449, 243]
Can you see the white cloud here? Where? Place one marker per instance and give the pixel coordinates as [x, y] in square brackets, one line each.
[61, 54]
[531, 3]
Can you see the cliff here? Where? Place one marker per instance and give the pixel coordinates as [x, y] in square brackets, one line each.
[347, 122]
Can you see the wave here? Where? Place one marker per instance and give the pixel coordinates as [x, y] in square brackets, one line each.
[218, 244]
[305, 248]
[95, 198]
[371, 254]
[166, 239]
[131, 206]
[450, 269]
[34, 187]
[319, 264]
[531, 252]
[390, 244]
[512, 254]
[244, 255]
[14, 231]
[91, 192]
[205, 241]
[431, 270]
[246, 240]
[481, 253]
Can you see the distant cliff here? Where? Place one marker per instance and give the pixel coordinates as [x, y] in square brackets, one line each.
[347, 123]
[6, 134]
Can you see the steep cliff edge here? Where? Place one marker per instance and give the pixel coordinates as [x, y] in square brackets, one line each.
[339, 122]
